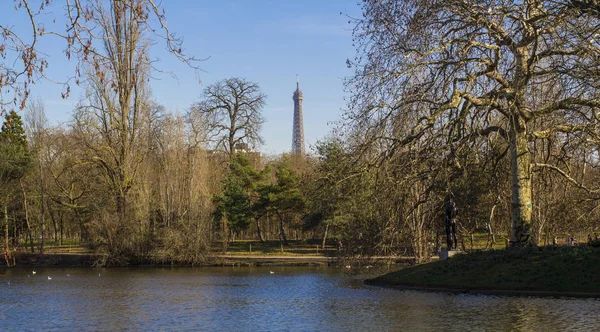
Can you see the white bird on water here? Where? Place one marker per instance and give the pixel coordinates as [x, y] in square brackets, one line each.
[271, 272]
[49, 278]
[33, 272]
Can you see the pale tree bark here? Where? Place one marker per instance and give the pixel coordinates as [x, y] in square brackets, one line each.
[521, 185]
[325, 236]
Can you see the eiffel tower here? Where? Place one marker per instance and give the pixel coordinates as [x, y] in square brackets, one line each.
[298, 134]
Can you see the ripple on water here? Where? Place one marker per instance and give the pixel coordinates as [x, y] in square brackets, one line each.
[297, 299]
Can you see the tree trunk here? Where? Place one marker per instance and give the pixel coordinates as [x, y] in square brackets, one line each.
[521, 184]
[225, 235]
[82, 234]
[120, 238]
[282, 229]
[120, 200]
[7, 256]
[60, 215]
[325, 235]
[260, 236]
[54, 224]
[29, 235]
[43, 228]
[540, 229]
[491, 236]
[42, 207]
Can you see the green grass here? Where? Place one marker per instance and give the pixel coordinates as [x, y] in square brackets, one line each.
[563, 269]
[275, 248]
[242, 248]
[69, 246]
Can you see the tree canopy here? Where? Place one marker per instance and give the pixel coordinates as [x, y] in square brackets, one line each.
[449, 74]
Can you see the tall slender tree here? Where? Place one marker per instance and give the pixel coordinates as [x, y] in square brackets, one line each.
[113, 120]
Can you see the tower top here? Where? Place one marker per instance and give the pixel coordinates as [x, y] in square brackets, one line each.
[298, 93]
[298, 134]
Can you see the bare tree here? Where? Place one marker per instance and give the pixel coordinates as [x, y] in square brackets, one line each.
[22, 63]
[37, 126]
[231, 113]
[113, 120]
[460, 70]
[72, 183]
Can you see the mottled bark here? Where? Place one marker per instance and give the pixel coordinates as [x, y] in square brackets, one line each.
[520, 159]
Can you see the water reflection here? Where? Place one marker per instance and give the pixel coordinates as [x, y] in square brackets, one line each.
[292, 298]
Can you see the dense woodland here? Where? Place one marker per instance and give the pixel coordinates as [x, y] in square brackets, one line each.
[494, 104]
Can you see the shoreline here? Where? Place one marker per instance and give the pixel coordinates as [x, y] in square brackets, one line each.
[213, 259]
[87, 260]
[531, 271]
[476, 291]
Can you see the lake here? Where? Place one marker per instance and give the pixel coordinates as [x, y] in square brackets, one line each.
[260, 299]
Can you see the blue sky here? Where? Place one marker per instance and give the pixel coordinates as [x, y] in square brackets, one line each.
[265, 41]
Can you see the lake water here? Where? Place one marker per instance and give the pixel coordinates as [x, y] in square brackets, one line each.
[254, 299]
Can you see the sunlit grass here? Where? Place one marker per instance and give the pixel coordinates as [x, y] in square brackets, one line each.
[562, 269]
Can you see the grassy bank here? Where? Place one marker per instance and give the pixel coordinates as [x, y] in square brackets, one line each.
[238, 253]
[293, 247]
[554, 270]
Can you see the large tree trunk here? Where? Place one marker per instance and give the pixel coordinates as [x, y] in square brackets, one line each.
[520, 160]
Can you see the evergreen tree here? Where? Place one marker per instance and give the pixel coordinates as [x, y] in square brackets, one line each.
[14, 161]
[14, 151]
[284, 197]
[234, 204]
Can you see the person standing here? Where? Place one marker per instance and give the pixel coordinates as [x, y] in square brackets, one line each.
[451, 212]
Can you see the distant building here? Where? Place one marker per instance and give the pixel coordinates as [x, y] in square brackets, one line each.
[243, 148]
[298, 134]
